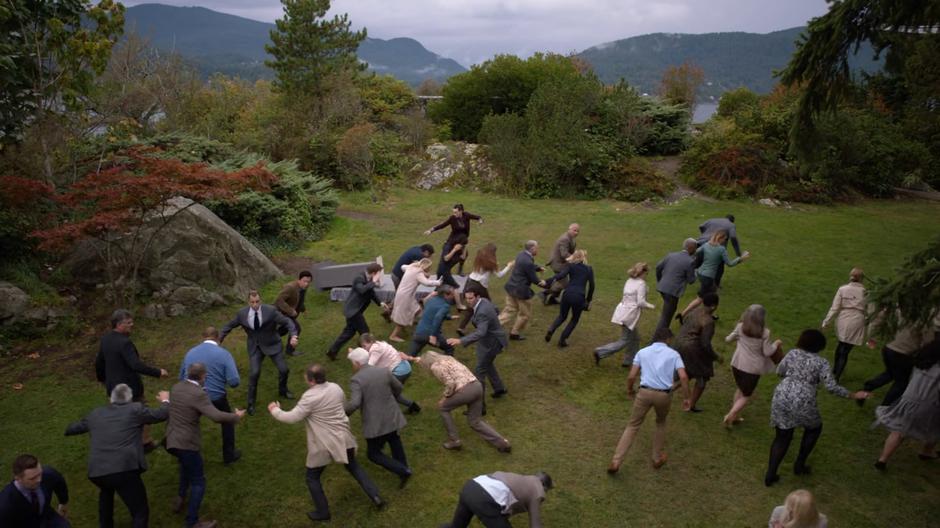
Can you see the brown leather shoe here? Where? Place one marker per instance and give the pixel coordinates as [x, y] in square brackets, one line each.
[453, 445]
[505, 448]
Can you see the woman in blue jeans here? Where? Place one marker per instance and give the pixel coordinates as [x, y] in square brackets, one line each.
[575, 299]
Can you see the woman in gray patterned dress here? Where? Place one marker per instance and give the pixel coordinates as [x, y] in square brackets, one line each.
[794, 403]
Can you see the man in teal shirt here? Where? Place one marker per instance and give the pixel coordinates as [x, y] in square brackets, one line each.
[436, 311]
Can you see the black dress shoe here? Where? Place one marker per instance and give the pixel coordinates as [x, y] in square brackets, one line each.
[295, 352]
[461, 332]
[414, 408]
[881, 466]
[770, 480]
[548, 336]
[562, 344]
[379, 503]
[236, 455]
[288, 395]
[149, 447]
[403, 480]
[331, 355]
[499, 394]
[597, 359]
[251, 409]
[802, 470]
[516, 337]
[314, 516]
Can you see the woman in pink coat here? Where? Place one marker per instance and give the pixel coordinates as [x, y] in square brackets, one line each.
[406, 305]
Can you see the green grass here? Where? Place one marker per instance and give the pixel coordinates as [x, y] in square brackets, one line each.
[562, 414]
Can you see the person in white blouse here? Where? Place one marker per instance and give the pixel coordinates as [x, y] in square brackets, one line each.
[406, 306]
[849, 307]
[627, 315]
[485, 266]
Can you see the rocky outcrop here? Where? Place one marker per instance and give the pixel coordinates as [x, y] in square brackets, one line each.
[453, 165]
[13, 303]
[197, 261]
[18, 308]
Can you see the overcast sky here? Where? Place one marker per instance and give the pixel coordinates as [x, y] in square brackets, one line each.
[471, 31]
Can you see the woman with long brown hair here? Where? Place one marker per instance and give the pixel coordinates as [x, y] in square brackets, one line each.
[485, 266]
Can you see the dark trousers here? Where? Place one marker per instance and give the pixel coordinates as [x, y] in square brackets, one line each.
[397, 463]
[573, 302]
[283, 332]
[130, 488]
[486, 368]
[781, 443]
[355, 324]
[898, 368]
[228, 430]
[670, 305]
[396, 280]
[444, 267]
[474, 500]
[841, 359]
[419, 341]
[192, 480]
[354, 469]
[254, 373]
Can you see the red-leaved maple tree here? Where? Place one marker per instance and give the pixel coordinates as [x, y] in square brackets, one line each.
[126, 205]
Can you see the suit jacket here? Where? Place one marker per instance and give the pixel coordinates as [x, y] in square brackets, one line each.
[328, 434]
[363, 291]
[374, 389]
[562, 249]
[267, 339]
[489, 335]
[288, 301]
[710, 227]
[188, 402]
[522, 277]
[673, 272]
[118, 362]
[16, 510]
[115, 429]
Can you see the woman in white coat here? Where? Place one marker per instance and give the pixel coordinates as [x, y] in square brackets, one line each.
[849, 307]
[406, 305]
[627, 315]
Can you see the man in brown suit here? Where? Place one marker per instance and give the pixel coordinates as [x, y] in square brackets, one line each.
[188, 403]
[493, 498]
[290, 302]
[562, 249]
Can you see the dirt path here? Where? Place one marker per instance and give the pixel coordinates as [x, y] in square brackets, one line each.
[668, 166]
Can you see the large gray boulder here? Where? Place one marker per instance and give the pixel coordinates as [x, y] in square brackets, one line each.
[197, 261]
[13, 303]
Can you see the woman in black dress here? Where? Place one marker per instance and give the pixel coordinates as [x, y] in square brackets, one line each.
[575, 299]
[459, 222]
[694, 344]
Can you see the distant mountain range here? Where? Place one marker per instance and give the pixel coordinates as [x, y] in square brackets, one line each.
[729, 60]
[232, 45]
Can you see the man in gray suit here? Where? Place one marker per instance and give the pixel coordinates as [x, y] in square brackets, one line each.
[563, 248]
[710, 227]
[116, 459]
[490, 339]
[673, 273]
[374, 390]
[188, 403]
[519, 292]
[261, 323]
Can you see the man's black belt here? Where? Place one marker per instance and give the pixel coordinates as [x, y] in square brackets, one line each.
[667, 391]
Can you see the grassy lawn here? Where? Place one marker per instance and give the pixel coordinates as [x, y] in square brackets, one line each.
[563, 414]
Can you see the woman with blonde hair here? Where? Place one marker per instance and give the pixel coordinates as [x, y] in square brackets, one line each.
[713, 254]
[484, 267]
[406, 306]
[751, 357]
[849, 307]
[574, 300]
[627, 315]
[798, 511]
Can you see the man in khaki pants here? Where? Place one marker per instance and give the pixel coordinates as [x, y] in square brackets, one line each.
[519, 292]
[656, 365]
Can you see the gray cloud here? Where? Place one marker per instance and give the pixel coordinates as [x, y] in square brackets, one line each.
[471, 31]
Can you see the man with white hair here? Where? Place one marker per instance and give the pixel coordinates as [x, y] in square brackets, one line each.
[375, 390]
[673, 273]
[116, 459]
[519, 292]
[563, 248]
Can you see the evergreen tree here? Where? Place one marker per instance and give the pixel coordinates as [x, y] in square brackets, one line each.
[307, 48]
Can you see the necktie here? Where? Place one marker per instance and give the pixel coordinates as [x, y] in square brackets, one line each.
[257, 320]
[34, 502]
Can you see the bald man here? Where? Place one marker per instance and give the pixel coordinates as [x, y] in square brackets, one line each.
[562, 249]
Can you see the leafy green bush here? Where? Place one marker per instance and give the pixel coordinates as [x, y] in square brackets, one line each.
[632, 180]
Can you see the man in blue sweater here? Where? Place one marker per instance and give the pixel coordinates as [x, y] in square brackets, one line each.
[436, 311]
[221, 372]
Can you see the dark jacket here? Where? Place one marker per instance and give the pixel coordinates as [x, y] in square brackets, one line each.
[580, 280]
[118, 362]
[489, 335]
[267, 339]
[458, 226]
[374, 389]
[17, 511]
[522, 277]
[363, 291]
[413, 254]
[115, 429]
[188, 403]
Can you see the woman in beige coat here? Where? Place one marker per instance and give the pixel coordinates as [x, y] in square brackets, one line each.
[627, 316]
[751, 357]
[849, 309]
[406, 305]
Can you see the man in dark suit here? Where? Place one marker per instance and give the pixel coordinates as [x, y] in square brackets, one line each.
[673, 273]
[374, 390]
[412, 254]
[490, 339]
[290, 303]
[27, 501]
[116, 459]
[188, 403]
[261, 323]
[118, 362]
[519, 292]
[361, 294]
